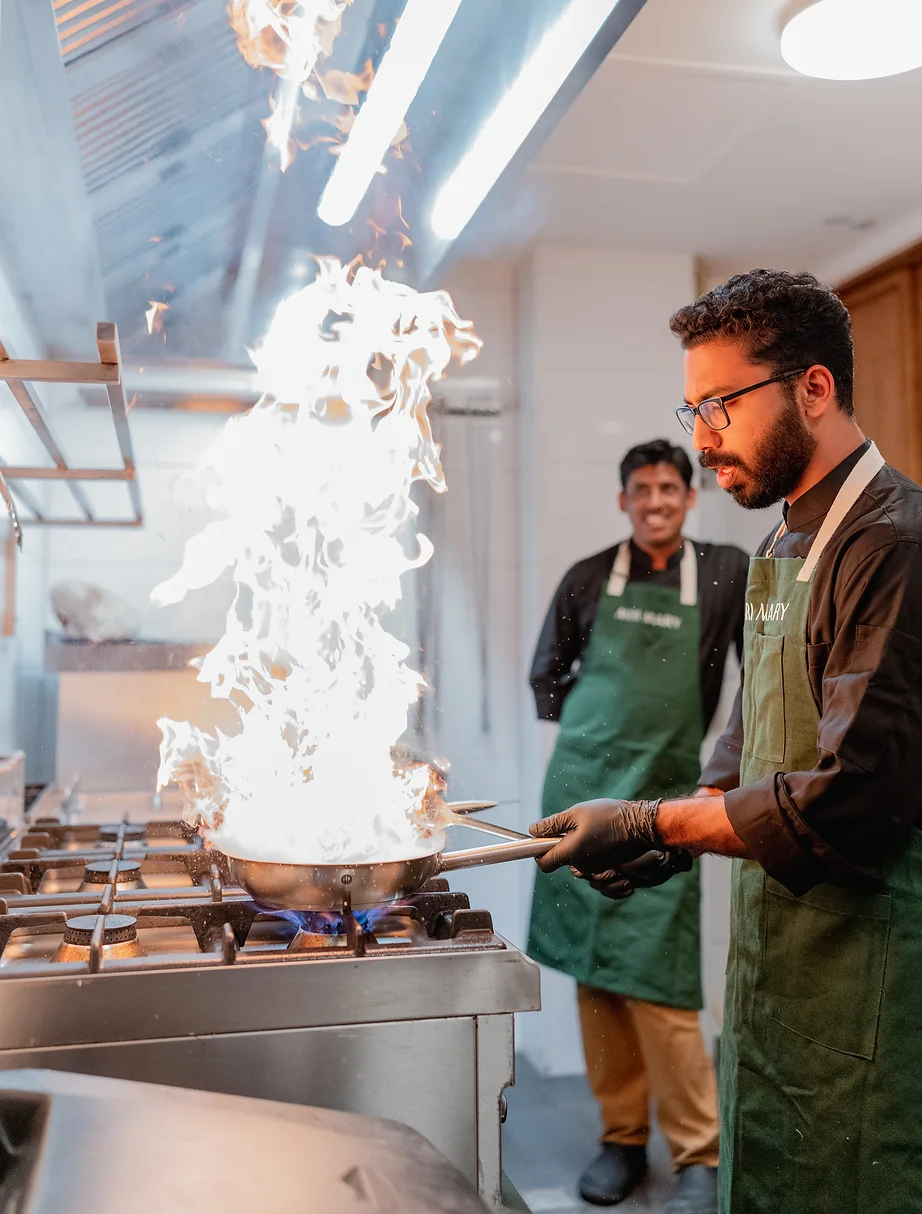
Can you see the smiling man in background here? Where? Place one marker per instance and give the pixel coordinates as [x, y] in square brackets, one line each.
[630, 661]
[816, 788]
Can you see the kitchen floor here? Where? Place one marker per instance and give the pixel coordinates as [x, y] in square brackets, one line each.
[551, 1133]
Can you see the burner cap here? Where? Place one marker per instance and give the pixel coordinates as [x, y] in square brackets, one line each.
[118, 928]
[133, 830]
[97, 873]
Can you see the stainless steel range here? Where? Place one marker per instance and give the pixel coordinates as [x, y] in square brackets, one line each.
[125, 950]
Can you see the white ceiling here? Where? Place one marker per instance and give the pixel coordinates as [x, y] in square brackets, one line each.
[695, 137]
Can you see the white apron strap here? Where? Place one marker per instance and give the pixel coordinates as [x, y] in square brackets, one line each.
[855, 484]
[620, 571]
[688, 573]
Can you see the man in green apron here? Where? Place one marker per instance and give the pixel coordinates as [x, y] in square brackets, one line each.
[630, 661]
[816, 788]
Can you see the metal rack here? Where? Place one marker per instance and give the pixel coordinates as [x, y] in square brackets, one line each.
[20, 374]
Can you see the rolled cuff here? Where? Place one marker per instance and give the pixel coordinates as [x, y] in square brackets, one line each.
[758, 819]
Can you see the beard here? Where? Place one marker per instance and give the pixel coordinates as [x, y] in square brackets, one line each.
[777, 465]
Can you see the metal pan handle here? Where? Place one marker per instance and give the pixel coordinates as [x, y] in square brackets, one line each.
[469, 807]
[520, 848]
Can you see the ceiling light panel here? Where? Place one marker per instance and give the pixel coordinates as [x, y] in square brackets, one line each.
[852, 39]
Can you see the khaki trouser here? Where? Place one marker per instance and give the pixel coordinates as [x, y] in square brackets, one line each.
[636, 1049]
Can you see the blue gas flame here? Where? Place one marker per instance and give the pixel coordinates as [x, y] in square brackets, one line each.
[326, 923]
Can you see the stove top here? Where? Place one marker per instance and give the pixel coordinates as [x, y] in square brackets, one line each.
[126, 895]
[127, 950]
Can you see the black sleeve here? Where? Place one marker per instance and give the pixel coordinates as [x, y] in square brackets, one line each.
[722, 769]
[859, 803]
[559, 647]
[741, 613]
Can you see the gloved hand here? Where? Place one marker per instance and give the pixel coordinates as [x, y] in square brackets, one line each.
[649, 870]
[599, 835]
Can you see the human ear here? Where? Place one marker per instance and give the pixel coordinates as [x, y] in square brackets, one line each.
[817, 391]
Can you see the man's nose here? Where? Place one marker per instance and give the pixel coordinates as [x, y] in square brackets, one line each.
[704, 438]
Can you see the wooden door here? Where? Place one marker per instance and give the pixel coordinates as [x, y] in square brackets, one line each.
[886, 319]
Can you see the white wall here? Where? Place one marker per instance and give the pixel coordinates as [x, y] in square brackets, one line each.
[128, 562]
[167, 446]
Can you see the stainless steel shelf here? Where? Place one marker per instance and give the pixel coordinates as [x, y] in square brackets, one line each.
[20, 374]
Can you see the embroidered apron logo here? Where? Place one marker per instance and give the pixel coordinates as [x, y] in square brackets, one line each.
[658, 619]
[766, 611]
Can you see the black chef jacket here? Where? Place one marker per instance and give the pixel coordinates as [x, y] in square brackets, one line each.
[864, 651]
[568, 625]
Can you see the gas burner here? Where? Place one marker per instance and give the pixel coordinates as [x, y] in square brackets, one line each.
[134, 831]
[99, 873]
[117, 938]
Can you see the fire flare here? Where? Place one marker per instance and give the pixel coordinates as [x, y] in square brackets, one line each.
[290, 37]
[154, 315]
[287, 36]
[318, 525]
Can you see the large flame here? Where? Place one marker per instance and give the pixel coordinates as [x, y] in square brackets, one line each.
[318, 525]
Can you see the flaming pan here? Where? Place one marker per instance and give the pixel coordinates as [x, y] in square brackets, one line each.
[324, 887]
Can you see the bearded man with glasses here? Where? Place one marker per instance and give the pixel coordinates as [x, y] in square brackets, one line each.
[815, 789]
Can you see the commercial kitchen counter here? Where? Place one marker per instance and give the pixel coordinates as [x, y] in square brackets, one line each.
[124, 657]
[110, 697]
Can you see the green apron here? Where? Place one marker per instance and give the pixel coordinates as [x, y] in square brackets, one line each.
[630, 728]
[821, 1058]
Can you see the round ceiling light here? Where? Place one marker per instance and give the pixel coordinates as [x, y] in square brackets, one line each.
[852, 39]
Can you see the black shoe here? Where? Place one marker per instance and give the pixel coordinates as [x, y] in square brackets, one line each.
[696, 1191]
[613, 1175]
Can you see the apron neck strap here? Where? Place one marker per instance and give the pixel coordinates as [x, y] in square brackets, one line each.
[620, 571]
[688, 573]
[855, 484]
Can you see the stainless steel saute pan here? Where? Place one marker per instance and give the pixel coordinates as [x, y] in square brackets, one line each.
[324, 887]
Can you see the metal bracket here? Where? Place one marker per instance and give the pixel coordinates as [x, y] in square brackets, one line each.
[19, 374]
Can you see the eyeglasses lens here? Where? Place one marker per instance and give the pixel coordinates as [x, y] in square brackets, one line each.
[713, 414]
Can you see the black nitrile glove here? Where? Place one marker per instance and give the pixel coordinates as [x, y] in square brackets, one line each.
[649, 870]
[599, 835]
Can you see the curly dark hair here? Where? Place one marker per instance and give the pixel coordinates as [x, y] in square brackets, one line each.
[656, 451]
[782, 320]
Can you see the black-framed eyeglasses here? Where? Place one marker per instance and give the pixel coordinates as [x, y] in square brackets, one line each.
[713, 411]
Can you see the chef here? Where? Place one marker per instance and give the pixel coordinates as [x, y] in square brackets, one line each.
[816, 787]
[630, 661]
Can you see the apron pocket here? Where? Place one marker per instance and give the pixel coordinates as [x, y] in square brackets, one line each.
[824, 957]
[765, 731]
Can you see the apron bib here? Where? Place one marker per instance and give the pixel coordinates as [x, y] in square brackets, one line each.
[630, 728]
[821, 1057]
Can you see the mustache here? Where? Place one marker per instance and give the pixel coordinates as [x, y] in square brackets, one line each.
[713, 459]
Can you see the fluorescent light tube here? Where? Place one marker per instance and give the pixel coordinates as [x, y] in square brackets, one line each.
[418, 36]
[516, 113]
